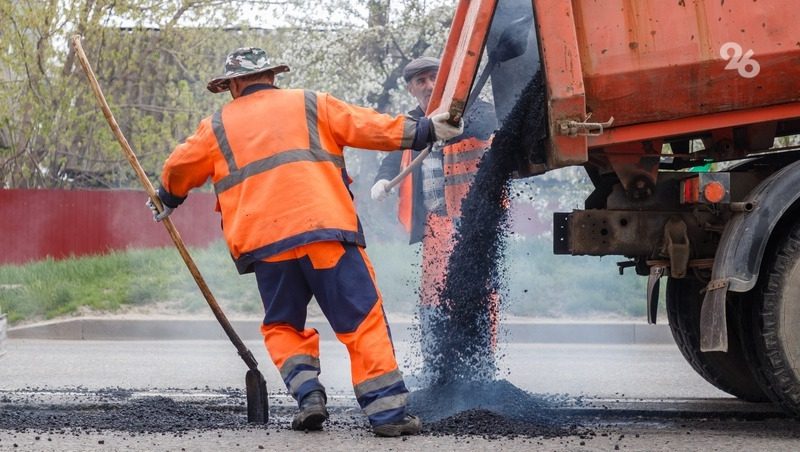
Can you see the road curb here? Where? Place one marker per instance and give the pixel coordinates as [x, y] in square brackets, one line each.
[248, 329]
[3, 334]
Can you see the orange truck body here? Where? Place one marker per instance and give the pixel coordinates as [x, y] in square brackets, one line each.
[659, 68]
[650, 64]
[674, 109]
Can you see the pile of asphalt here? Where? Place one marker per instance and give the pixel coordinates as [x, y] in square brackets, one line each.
[491, 409]
[460, 332]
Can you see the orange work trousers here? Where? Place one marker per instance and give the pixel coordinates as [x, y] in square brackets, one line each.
[341, 278]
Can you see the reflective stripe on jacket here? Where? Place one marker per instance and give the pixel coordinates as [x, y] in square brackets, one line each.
[276, 160]
[460, 165]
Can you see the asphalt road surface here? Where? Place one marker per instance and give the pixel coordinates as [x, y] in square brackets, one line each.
[648, 371]
[187, 395]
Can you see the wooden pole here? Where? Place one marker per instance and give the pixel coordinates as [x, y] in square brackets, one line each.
[246, 355]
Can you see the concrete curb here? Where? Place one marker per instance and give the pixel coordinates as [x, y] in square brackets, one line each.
[3, 334]
[182, 329]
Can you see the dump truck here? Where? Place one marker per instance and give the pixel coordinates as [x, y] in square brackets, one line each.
[684, 115]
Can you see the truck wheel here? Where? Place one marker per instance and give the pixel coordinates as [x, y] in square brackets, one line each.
[774, 319]
[729, 371]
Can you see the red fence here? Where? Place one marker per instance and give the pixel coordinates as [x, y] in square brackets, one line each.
[35, 224]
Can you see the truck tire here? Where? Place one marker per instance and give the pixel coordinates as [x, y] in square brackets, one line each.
[774, 316]
[729, 371]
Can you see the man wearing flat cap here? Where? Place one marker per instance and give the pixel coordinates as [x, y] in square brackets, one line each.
[429, 203]
[275, 159]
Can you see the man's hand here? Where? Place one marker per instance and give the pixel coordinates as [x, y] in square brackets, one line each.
[158, 216]
[443, 129]
[378, 191]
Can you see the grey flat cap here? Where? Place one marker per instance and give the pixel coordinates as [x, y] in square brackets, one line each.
[419, 65]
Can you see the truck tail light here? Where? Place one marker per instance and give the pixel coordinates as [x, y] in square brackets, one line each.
[690, 190]
[714, 192]
[707, 188]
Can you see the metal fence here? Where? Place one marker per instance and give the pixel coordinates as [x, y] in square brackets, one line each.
[36, 224]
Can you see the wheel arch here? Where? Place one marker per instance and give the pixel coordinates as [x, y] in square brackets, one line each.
[744, 241]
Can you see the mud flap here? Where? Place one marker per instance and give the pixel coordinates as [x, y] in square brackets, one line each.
[713, 324]
[653, 286]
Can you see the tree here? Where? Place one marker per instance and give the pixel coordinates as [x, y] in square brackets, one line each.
[153, 58]
[152, 70]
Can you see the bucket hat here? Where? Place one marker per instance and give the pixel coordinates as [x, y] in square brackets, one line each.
[241, 62]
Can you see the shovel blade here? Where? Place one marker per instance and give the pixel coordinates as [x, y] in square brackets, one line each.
[257, 397]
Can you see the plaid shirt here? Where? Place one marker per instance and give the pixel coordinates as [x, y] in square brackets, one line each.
[433, 182]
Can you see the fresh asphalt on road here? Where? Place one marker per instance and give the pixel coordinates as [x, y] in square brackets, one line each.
[604, 373]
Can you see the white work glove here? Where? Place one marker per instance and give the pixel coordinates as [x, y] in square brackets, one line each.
[378, 191]
[443, 129]
[158, 216]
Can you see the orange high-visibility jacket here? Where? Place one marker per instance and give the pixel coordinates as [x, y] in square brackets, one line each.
[275, 159]
[460, 164]
[460, 156]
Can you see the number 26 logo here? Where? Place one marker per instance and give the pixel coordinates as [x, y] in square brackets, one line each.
[739, 60]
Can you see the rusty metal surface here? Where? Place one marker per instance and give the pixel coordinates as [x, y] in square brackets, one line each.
[676, 246]
[654, 60]
[561, 61]
[628, 232]
[63, 223]
[666, 69]
[696, 124]
[603, 232]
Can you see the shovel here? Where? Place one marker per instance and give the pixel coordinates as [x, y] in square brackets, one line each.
[257, 402]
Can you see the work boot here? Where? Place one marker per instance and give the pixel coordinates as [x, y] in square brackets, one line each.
[409, 425]
[312, 412]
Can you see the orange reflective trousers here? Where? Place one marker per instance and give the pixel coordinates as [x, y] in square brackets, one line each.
[341, 278]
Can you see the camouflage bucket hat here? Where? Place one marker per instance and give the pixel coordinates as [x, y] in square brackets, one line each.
[241, 62]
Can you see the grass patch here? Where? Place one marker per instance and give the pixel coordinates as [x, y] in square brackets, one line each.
[546, 285]
[49, 288]
[538, 283]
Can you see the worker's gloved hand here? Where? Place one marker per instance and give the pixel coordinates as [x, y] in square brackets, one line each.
[443, 129]
[378, 191]
[158, 216]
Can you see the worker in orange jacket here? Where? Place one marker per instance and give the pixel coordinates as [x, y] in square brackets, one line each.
[275, 158]
[430, 197]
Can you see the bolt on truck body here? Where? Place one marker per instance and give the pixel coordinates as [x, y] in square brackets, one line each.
[685, 116]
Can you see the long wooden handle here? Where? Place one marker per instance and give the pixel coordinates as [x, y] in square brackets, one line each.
[167, 222]
[414, 163]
